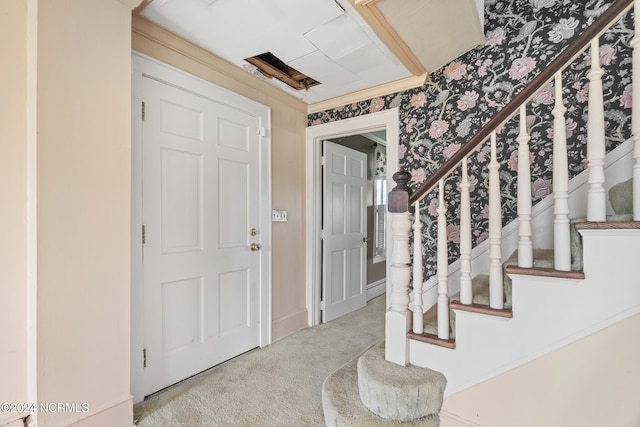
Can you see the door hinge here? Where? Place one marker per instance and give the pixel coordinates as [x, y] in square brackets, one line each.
[144, 235]
[322, 305]
[143, 110]
[262, 132]
[144, 357]
[323, 161]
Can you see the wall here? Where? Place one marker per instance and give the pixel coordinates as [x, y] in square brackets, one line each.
[83, 179]
[288, 121]
[13, 211]
[436, 119]
[562, 388]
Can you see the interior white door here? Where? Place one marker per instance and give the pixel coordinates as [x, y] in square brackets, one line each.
[200, 204]
[344, 253]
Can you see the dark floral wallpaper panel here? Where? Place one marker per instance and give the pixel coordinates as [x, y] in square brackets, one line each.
[522, 37]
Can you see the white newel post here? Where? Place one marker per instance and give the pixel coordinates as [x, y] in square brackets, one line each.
[561, 226]
[635, 115]
[418, 322]
[466, 293]
[525, 245]
[398, 317]
[443, 267]
[496, 279]
[596, 197]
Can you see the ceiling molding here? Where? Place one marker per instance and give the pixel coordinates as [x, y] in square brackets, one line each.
[141, 6]
[374, 18]
[368, 93]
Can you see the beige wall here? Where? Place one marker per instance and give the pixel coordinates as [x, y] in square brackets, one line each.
[592, 382]
[13, 204]
[84, 138]
[288, 123]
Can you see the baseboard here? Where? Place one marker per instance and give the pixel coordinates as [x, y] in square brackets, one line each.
[376, 289]
[117, 413]
[289, 324]
[447, 419]
[13, 420]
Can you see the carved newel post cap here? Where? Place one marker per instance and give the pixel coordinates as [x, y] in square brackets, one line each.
[399, 196]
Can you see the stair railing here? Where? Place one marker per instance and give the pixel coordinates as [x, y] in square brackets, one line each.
[401, 199]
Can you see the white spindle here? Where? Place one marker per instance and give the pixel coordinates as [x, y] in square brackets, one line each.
[525, 245]
[466, 295]
[496, 290]
[635, 115]
[561, 230]
[596, 197]
[400, 274]
[418, 326]
[443, 267]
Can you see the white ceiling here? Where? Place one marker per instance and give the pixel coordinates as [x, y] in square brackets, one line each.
[325, 39]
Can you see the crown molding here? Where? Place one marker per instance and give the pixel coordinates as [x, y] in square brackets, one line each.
[368, 93]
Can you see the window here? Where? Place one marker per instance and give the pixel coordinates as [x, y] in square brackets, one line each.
[380, 219]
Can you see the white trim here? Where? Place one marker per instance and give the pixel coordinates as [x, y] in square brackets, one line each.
[386, 119]
[144, 66]
[377, 288]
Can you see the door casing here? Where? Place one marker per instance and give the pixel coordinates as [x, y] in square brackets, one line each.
[143, 65]
[381, 120]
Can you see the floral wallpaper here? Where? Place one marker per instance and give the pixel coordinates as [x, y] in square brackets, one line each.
[522, 37]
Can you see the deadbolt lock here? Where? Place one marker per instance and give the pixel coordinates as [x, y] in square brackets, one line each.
[253, 232]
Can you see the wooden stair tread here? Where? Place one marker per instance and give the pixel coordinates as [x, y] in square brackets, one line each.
[608, 225]
[545, 272]
[432, 339]
[481, 308]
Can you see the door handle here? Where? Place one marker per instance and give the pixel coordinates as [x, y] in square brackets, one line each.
[365, 240]
[255, 247]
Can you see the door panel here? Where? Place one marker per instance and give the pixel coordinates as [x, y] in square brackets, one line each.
[200, 200]
[344, 230]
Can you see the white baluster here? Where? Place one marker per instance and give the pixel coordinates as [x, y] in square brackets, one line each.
[596, 197]
[561, 228]
[496, 285]
[418, 326]
[525, 245]
[466, 293]
[635, 115]
[443, 267]
[400, 274]
[397, 319]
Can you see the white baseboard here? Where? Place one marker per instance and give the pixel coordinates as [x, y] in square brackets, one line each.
[376, 289]
[447, 419]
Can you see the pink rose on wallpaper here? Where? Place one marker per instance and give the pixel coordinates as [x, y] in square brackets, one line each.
[377, 104]
[607, 54]
[485, 211]
[481, 237]
[468, 100]
[438, 128]
[482, 66]
[450, 150]
[546, 96]
[455, 70]
[495, 37]
[418, 100]
[418, 175]
[571, 126]
[453, 233]
[433, 207]
[541, 188]
[625, 98]
[483, 152]
[402, 150]
[583, 94]
[521, 67]
[512, 163]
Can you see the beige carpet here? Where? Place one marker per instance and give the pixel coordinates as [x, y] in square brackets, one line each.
[279, 385]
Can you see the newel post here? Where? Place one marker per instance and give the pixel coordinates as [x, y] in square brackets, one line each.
[398, 317]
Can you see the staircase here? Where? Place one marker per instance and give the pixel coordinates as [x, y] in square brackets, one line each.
[531, 301]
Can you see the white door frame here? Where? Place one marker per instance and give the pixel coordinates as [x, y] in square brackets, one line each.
[144, 66]
[382, 120]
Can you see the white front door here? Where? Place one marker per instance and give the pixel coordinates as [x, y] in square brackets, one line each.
[344, 231]
[200, 207]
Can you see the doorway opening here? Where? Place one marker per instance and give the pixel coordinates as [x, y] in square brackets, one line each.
[384, 126]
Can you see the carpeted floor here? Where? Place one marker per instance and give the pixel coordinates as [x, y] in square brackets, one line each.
[279, 385]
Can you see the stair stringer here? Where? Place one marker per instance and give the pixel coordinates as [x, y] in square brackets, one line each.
[548, 313]
[618, 167]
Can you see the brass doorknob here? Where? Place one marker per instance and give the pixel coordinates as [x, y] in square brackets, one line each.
[255, 247]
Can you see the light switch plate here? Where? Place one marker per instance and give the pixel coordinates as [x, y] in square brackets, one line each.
[278, 216]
